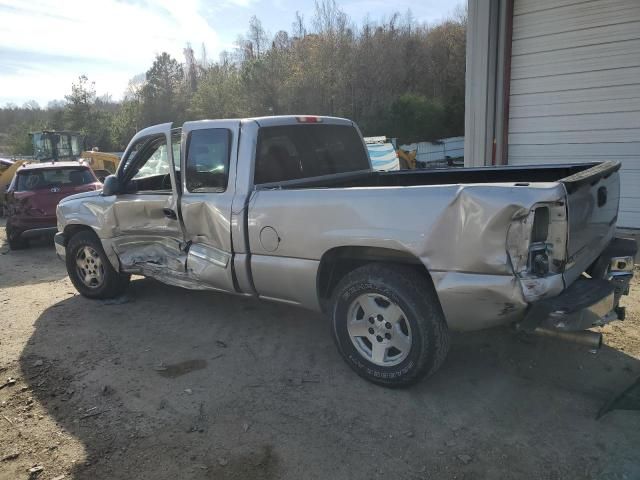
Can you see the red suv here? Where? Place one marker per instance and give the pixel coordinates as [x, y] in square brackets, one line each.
[34, 193]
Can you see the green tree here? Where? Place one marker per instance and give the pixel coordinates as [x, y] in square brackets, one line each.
[220, 94]
[89, 115]
[79, 111]
[397, 77]
[124, 124]
[19, 140]
[415, 118]
[163, 96]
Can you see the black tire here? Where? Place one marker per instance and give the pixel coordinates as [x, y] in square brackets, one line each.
[14, 240]
[113, 282]
[416, 297]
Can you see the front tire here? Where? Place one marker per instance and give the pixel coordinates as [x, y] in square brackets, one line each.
[388, 324]
[90, 270]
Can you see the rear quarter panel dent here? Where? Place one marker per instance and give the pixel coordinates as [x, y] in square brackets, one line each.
[459, 232]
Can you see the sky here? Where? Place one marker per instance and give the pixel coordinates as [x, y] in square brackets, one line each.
[46, 44]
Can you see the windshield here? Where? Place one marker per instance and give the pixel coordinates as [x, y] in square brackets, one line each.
[53, 177]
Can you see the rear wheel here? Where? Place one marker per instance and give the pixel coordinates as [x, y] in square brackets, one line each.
[90, 270]
[388, 324]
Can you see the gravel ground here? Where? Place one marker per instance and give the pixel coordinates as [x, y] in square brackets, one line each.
[168, 383]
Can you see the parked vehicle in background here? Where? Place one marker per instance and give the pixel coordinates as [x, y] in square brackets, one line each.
[59, 145]
[442, 153]
[382, 154]
[103, 164]
[56, 145]
[35, 191]
[290, 209]
[5, 163]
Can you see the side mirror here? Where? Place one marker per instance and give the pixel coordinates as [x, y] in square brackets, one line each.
[111, 186]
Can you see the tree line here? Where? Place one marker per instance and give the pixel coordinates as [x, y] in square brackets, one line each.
[399, 77]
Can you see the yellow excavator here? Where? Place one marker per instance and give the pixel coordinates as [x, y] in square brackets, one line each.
[407, 159]
[103, 164]
[52, 145]
[8, 169]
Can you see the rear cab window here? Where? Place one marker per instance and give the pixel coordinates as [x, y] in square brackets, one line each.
[292, 152]
[30, 180]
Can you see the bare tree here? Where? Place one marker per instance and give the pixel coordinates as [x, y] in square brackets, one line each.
[31, 105]
[257, 36]
[298, 27]
[204, 61]
[190, 68]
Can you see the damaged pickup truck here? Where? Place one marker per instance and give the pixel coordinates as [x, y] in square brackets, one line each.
[289, 209]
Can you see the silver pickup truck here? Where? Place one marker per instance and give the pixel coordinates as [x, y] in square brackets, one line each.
[289, 209]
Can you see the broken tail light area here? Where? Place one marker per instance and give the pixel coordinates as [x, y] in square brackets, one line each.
[537, 245]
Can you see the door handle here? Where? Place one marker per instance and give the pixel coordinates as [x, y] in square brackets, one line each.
[169, 213]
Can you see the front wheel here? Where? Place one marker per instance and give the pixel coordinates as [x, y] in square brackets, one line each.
[388, 324]
[90, 270]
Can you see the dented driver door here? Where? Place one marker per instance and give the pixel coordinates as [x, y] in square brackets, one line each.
[208, 153]
[148, 235]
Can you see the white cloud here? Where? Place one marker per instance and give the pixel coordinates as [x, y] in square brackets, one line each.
[109, 40]
[46, 44]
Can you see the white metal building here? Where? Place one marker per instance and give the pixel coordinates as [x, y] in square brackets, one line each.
[556, 81]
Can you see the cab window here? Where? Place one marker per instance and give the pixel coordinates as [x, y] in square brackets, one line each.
[147, 165]
[207, 162]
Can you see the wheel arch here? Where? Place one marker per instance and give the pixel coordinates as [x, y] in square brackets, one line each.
[339, 261]
[74, 228]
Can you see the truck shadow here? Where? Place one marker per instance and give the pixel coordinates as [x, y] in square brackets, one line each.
[166, 383]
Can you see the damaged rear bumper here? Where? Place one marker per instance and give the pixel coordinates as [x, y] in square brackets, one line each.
[588, 302]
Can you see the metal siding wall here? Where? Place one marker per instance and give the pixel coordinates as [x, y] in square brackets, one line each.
[575, 88]
[482, 37]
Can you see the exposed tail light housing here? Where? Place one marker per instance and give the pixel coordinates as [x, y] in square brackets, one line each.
[537, 248]
[540, 227]
[538, 262]
[537, 241]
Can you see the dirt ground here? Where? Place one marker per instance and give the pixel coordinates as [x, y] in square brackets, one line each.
[168, 383]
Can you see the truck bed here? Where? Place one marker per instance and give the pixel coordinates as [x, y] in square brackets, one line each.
[567, 173]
